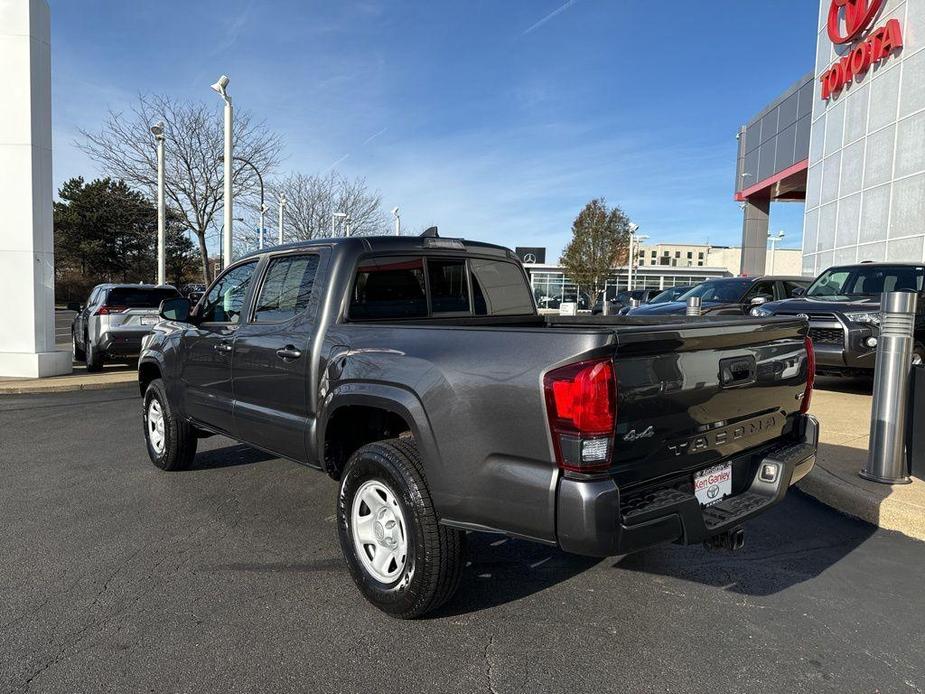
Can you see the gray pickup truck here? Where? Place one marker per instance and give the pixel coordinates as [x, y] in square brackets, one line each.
[417, 373]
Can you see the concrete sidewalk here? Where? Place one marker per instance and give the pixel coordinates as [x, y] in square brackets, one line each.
[843, 410]
[78, 379]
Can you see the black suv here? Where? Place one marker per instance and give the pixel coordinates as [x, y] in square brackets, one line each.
[734, 296]
[843, 307]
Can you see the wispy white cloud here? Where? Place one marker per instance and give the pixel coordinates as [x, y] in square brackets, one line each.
[373, 136]
[336, 163]
[548, 17]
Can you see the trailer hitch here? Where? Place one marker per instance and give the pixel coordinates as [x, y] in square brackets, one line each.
[733, 540]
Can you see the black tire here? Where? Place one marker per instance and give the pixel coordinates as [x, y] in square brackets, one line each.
[92, 356]
[180, 438]
[434, 563]
[79, 354]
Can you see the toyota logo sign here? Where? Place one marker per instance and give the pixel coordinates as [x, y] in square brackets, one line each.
[857, 14]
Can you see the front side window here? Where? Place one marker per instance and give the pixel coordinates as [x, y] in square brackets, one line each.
[389, 288]
[287, 289]
[226, 298]
[499, 289]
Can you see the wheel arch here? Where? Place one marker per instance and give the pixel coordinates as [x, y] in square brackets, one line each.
[357, 414]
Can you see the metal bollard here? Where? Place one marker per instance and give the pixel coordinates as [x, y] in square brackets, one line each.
[693, 306]
[606, 308]
[634, 303]
[886, 459]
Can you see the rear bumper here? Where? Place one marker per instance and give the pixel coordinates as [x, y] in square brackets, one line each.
[592, 520]
[122, 342]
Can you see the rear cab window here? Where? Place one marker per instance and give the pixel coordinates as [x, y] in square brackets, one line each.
[414, 287]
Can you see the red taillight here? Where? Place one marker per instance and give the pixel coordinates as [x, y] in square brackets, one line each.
[581, 403]
[106, 310]
[810, 375]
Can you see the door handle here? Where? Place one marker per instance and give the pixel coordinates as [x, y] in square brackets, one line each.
[288, 352]
[222, 347]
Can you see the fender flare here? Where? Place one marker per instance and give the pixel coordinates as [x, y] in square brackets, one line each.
[389, 397]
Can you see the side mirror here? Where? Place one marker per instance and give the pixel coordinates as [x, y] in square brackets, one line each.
[799, 291]
[74, 306]
[759, 300]
[177, 309]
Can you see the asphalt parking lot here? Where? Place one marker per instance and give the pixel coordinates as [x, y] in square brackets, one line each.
[228, 578]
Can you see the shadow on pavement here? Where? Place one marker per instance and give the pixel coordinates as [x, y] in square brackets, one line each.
[500, 570]
[790, 544]
[229, 456]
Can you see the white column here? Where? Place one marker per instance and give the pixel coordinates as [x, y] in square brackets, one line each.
[27, 279]
[229, 175]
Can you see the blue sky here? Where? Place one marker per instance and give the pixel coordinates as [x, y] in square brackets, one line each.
[495, 119]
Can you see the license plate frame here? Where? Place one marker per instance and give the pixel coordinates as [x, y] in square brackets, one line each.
[713, 484]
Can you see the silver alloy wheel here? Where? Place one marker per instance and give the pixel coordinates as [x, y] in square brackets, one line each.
[916, 358]
[155, 425]
[379, 534]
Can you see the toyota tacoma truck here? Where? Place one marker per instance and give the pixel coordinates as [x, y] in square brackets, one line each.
[417, 373]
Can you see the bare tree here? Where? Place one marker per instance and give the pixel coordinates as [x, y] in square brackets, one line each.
[311, 202]
[194, 170]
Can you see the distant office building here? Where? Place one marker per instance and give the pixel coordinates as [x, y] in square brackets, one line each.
[785, 261]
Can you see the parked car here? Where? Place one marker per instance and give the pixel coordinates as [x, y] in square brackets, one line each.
[580, 298]
[193, 292]
[730, 296]
[662, 297]
[843, 307]
[417, 373]
[113, 320]
[622, 300]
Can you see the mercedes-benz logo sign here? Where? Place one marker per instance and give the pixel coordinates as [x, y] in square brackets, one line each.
[530, 258]
[713, 491]
[858, 15]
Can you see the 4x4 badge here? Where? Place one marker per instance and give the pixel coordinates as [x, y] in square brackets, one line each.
[647, 433]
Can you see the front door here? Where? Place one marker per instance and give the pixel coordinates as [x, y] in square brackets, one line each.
[207, 349]
[271, 361]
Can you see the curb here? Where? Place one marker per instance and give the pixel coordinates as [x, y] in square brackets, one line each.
[36, 388]
[886, 513]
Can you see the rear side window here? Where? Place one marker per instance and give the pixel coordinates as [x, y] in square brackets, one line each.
[499, 289]
[139, 298]
[389, 288]
[449, 287]
[287, 289]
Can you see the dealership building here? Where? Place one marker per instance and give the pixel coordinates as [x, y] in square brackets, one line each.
[847, 140]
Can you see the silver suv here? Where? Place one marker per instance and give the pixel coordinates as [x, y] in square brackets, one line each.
[114, 319]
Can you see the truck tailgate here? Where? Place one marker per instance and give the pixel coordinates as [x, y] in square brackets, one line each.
[692, 393]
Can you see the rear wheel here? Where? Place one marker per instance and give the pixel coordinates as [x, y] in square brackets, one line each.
[93, 356]
[402, 560]
[918, 354]
[171, 440]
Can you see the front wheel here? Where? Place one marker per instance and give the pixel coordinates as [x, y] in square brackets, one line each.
[918, 354]
[171, 440]
[93, 356]
[79, 354]
[402, 560]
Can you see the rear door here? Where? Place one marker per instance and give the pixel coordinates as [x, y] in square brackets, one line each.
[272, 356]
[207, 346]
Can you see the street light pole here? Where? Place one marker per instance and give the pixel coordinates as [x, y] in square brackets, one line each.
[774, 241]
[263, 215]
[221, 232]
[221, 87]
[334, 218]
[397, 221]
[263, 207]
[158, 131]
[282, 207]
[629, 270]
